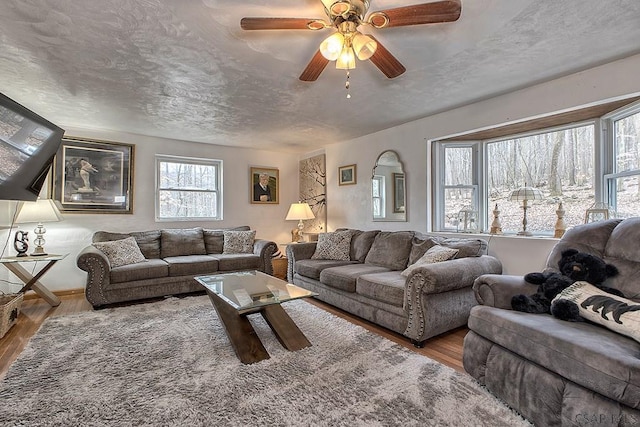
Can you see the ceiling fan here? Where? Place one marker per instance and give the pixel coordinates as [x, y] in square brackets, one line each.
[347, 43]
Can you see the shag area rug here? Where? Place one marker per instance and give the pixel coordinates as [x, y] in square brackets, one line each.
[169, 363]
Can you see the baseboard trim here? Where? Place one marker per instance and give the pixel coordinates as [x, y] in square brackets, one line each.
[33, 295]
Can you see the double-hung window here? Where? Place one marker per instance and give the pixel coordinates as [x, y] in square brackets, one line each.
[188, 188]
[622, 177]
[378, 196]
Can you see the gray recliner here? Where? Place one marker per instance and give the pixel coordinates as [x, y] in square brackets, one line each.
[558, 373]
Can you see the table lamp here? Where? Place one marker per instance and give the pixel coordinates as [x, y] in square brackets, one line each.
[299, 211]
[524, 194]
[42, 210]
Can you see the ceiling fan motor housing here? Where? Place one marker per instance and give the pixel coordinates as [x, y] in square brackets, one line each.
[352, 10]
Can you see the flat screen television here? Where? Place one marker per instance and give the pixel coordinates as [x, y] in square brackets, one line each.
[28, 144]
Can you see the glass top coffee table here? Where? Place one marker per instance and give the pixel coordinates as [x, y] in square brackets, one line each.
[235, 295]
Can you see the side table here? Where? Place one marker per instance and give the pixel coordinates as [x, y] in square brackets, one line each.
[32, 282]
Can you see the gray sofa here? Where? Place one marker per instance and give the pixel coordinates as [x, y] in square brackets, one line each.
[558, 373]
[431, 300]
[173, 258]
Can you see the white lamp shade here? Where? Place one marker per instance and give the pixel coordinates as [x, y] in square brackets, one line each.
[42, 210]
[364, 46]
[299, 211]
[331, 47]
[526, 193]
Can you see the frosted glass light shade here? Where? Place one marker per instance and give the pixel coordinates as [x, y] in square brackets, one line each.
[331, 47]
[346, 60]
[364, 46]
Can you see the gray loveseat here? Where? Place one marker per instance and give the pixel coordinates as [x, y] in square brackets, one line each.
[431, 300]
[558, 373]
[173, 258]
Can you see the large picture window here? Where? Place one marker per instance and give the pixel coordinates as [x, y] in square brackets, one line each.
[594, 163]
[188, 188]
[559, 162]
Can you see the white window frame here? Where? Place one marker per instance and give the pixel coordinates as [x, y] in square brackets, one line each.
[162, 158]
[439, 181]
[610, 175]
[480, 170]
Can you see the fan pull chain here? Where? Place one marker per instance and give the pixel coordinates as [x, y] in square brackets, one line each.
[346, 86]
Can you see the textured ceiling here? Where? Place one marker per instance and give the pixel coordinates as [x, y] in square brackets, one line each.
[184, 69]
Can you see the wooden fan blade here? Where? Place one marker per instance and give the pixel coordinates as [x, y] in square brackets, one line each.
[314, 68]
[276, 23]
[426, 13]
[386, 62]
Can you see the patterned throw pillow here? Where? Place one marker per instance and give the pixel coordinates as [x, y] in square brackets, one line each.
[435, 254]
[336, 246]
[121, 252]
[238, 242]
[619, 314]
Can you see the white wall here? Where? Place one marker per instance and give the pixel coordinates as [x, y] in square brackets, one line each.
[350, 206]
[74, 233]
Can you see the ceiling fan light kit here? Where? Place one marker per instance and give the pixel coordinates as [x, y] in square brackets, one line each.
[347, 43]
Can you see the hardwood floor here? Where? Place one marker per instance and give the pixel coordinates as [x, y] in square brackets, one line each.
[446, 348]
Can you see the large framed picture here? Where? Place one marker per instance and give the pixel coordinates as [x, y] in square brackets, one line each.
[265, 183]
[347, 175]
[398, 193]
[93, 176]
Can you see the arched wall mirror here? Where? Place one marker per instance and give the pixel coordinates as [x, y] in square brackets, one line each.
[388, 189]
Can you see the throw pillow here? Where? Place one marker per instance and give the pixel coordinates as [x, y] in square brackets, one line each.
[238, 242]
[434, 254]
[335, 246]
[619, 314]
[121, 252]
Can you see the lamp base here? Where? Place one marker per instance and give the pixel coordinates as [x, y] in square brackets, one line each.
[525, 233]
[39, 251]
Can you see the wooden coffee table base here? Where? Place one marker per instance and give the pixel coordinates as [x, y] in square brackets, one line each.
[243, 337]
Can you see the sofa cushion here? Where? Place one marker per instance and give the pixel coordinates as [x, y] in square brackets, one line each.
[390, 249]
[387, 287]
[436, 253]
[344, 277]
[335, 245]
[152, 269]
[419, 247]
[191, 264]
[181, 241]
[313, 267]
[466, 247]
[148, 241]
[361, 244]
[214, 239]
[121, 252]
[587, 354]
[233, 262]
[238, 242]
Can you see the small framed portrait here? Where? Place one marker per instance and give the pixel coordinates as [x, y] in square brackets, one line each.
[93, 176]
[347, 175]
[265, 185]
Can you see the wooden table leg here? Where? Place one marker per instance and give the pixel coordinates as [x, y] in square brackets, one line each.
[31, 282]
[285, 329]
[243, 337]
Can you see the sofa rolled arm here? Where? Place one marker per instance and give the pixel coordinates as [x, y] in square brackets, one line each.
[296, 252]
[423, 282]
[496, 290]
[98, 269]
[265, 250]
